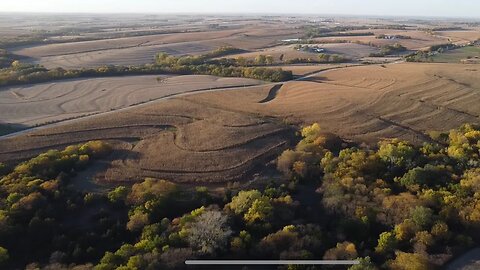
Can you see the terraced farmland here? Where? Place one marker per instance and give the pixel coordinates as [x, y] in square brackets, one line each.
[41, 103]
[173, 139]
[220, 136]
[142, 50]
[368, 103]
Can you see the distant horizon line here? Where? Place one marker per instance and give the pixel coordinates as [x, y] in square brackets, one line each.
[227, 14]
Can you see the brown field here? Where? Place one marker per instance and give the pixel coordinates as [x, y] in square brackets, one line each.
[175, 139]
[142, 50]
[349, 50]
[367, 103]
[460, 37]
[287, 51]
[55, 101]
[305, 69]
[419, 39]
[221, 136]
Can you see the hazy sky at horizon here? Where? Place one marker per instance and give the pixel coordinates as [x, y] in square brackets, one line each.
[443, 8]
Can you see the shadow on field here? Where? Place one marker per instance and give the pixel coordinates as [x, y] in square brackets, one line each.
[317, 79]
[6, 128]
[123, 154]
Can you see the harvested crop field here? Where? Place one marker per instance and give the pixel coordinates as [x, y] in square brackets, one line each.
[221, 136]
[418, 39]
[142, 50]
[461, 37]
[175, 139]
[305, 69]
[349, 50]
[287, 52]
[55, 101]
[367, 103]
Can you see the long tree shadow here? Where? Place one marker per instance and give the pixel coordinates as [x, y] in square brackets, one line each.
[92, 179]
[272, 94]
[7, 128]
[316, 79]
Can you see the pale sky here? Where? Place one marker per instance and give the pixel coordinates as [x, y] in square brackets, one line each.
[435, 8]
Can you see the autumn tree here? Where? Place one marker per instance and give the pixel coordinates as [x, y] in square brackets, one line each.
[409, 261]
[269, 60]
[343, 251]
[209, 232]
[386, 243]
[261, 59]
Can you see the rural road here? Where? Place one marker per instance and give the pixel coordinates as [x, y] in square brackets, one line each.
[197, 91]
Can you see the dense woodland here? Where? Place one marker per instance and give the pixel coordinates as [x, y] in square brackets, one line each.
[21, 73]
[394, 206]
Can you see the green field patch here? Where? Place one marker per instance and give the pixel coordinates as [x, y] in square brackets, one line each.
[468, 54]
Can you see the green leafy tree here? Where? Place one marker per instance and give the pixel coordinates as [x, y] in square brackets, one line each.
[364, 264]
[3, 255]
[397, 153]
[260, 210]
[243, 201]
[386, 243]
[119, 194]
[422, 216]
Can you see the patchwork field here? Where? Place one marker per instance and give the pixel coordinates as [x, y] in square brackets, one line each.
[461, 37]
[287, 52]
[142, 49]
[418, 39]
[49, 102]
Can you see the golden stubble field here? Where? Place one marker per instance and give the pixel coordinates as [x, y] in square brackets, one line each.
[367, 103]
[222, 136]
[176, 139]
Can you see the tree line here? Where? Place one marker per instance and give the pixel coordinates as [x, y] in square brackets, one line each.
[20, 73]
